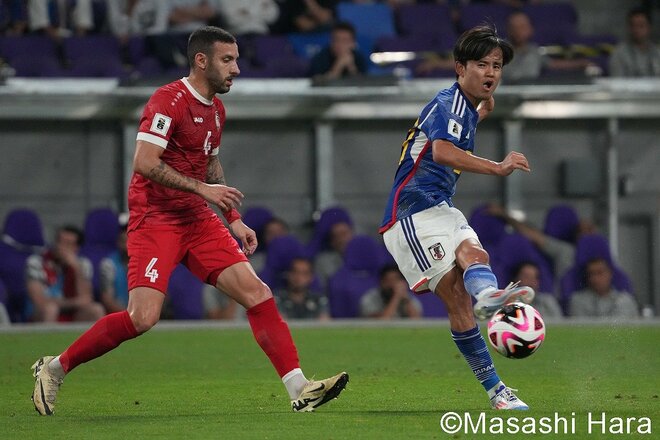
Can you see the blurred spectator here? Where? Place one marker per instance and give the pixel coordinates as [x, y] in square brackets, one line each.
[4, 316]
[392, 299]
[529, 62]
[273, 228]
[189, 15]
[60, 18]
[340, 59]
[298, 300]
[248, 17]
[14, 17]
[113, 276]
[137, 17]
[529, 274]
[600, 299]
[59, 281]
[563, 227]
[305, 16]
[339, 234]
[638, 56]
[434, 62]
[218, 305]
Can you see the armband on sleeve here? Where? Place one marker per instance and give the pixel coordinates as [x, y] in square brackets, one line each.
[231, 216]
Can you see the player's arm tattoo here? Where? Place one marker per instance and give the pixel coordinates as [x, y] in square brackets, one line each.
[214, 172]
[171, 178]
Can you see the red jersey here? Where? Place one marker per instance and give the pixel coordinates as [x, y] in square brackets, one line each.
[188, 126]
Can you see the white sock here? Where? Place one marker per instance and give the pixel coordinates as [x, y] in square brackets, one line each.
[55, 367]
[294, 381]
[493, 391]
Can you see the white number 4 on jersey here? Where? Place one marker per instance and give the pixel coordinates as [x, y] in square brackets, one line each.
[150, 272]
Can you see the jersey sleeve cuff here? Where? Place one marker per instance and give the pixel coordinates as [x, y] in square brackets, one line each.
[153, 139]
[215, 151]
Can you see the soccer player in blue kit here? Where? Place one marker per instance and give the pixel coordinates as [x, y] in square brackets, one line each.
[431, 241]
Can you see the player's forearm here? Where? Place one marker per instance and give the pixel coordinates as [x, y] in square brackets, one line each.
[447, 154]
[214, 173]
[167, 176]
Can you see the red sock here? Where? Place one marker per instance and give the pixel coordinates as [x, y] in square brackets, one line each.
[273, 336]
[106, 334]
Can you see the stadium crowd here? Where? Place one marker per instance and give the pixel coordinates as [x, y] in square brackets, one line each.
[138, 40]
[335, 273]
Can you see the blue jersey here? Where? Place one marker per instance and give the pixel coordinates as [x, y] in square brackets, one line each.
[420, 183]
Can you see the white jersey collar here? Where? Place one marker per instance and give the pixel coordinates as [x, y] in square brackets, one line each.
[195, 93]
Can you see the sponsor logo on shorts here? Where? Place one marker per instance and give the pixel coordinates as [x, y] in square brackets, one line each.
[437, 251]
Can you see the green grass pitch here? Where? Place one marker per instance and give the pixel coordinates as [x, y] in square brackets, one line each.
[217, 384]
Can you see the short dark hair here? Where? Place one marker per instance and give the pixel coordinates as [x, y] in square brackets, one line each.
[476, 43]
[638, 11]
[344, 26]
[202, 40]
[80, 236]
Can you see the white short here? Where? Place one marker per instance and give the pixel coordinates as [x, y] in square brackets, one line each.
[424, 244]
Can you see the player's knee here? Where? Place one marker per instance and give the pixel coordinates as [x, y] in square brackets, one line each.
[261, 293]
[144, 320]
[471, 254]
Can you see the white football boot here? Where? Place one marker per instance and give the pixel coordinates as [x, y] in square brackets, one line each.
[46, 386]
[489, 302]
[505, 399]
[318, 392]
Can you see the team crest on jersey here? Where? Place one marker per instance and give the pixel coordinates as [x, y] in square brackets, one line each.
[455, 129]
[217, 120]
[437, 251]
[160, 124]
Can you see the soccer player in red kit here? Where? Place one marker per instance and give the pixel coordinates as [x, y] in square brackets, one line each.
[177, 174]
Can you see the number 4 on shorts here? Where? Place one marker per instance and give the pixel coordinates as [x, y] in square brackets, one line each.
[150, 272]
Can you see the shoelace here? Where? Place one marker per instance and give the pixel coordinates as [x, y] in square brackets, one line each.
[508, 392]
[512, 285]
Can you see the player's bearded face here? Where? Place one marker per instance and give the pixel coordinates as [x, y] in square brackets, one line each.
[223, 67]
[479, 78]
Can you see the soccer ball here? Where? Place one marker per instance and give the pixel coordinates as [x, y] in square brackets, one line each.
[516, 330]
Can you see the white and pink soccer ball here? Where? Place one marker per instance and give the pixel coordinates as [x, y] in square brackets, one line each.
[516, 330]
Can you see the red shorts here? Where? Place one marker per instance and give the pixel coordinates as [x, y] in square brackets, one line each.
[205, 247]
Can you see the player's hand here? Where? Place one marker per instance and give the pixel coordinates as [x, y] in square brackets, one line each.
[246, 235]
[224, 197]
[485, 107]
[513, 161]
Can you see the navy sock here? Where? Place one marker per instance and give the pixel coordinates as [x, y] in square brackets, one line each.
[479, 277]
[475, 352]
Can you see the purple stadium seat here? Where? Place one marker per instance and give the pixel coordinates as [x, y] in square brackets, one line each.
[281, 251]
[554, 23]
[373, 20]
[269, 47]
[424, 19]
[185, 294]
[256, 218]
[46, 67]
[288, 66]
[475, 14]
[490, 229]
[37, 46]
[590, 247]
[362, 262]
[561, 222]
[101, 232]
[22, 236]
[94, 56]
[513, 250]
[329, 217]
